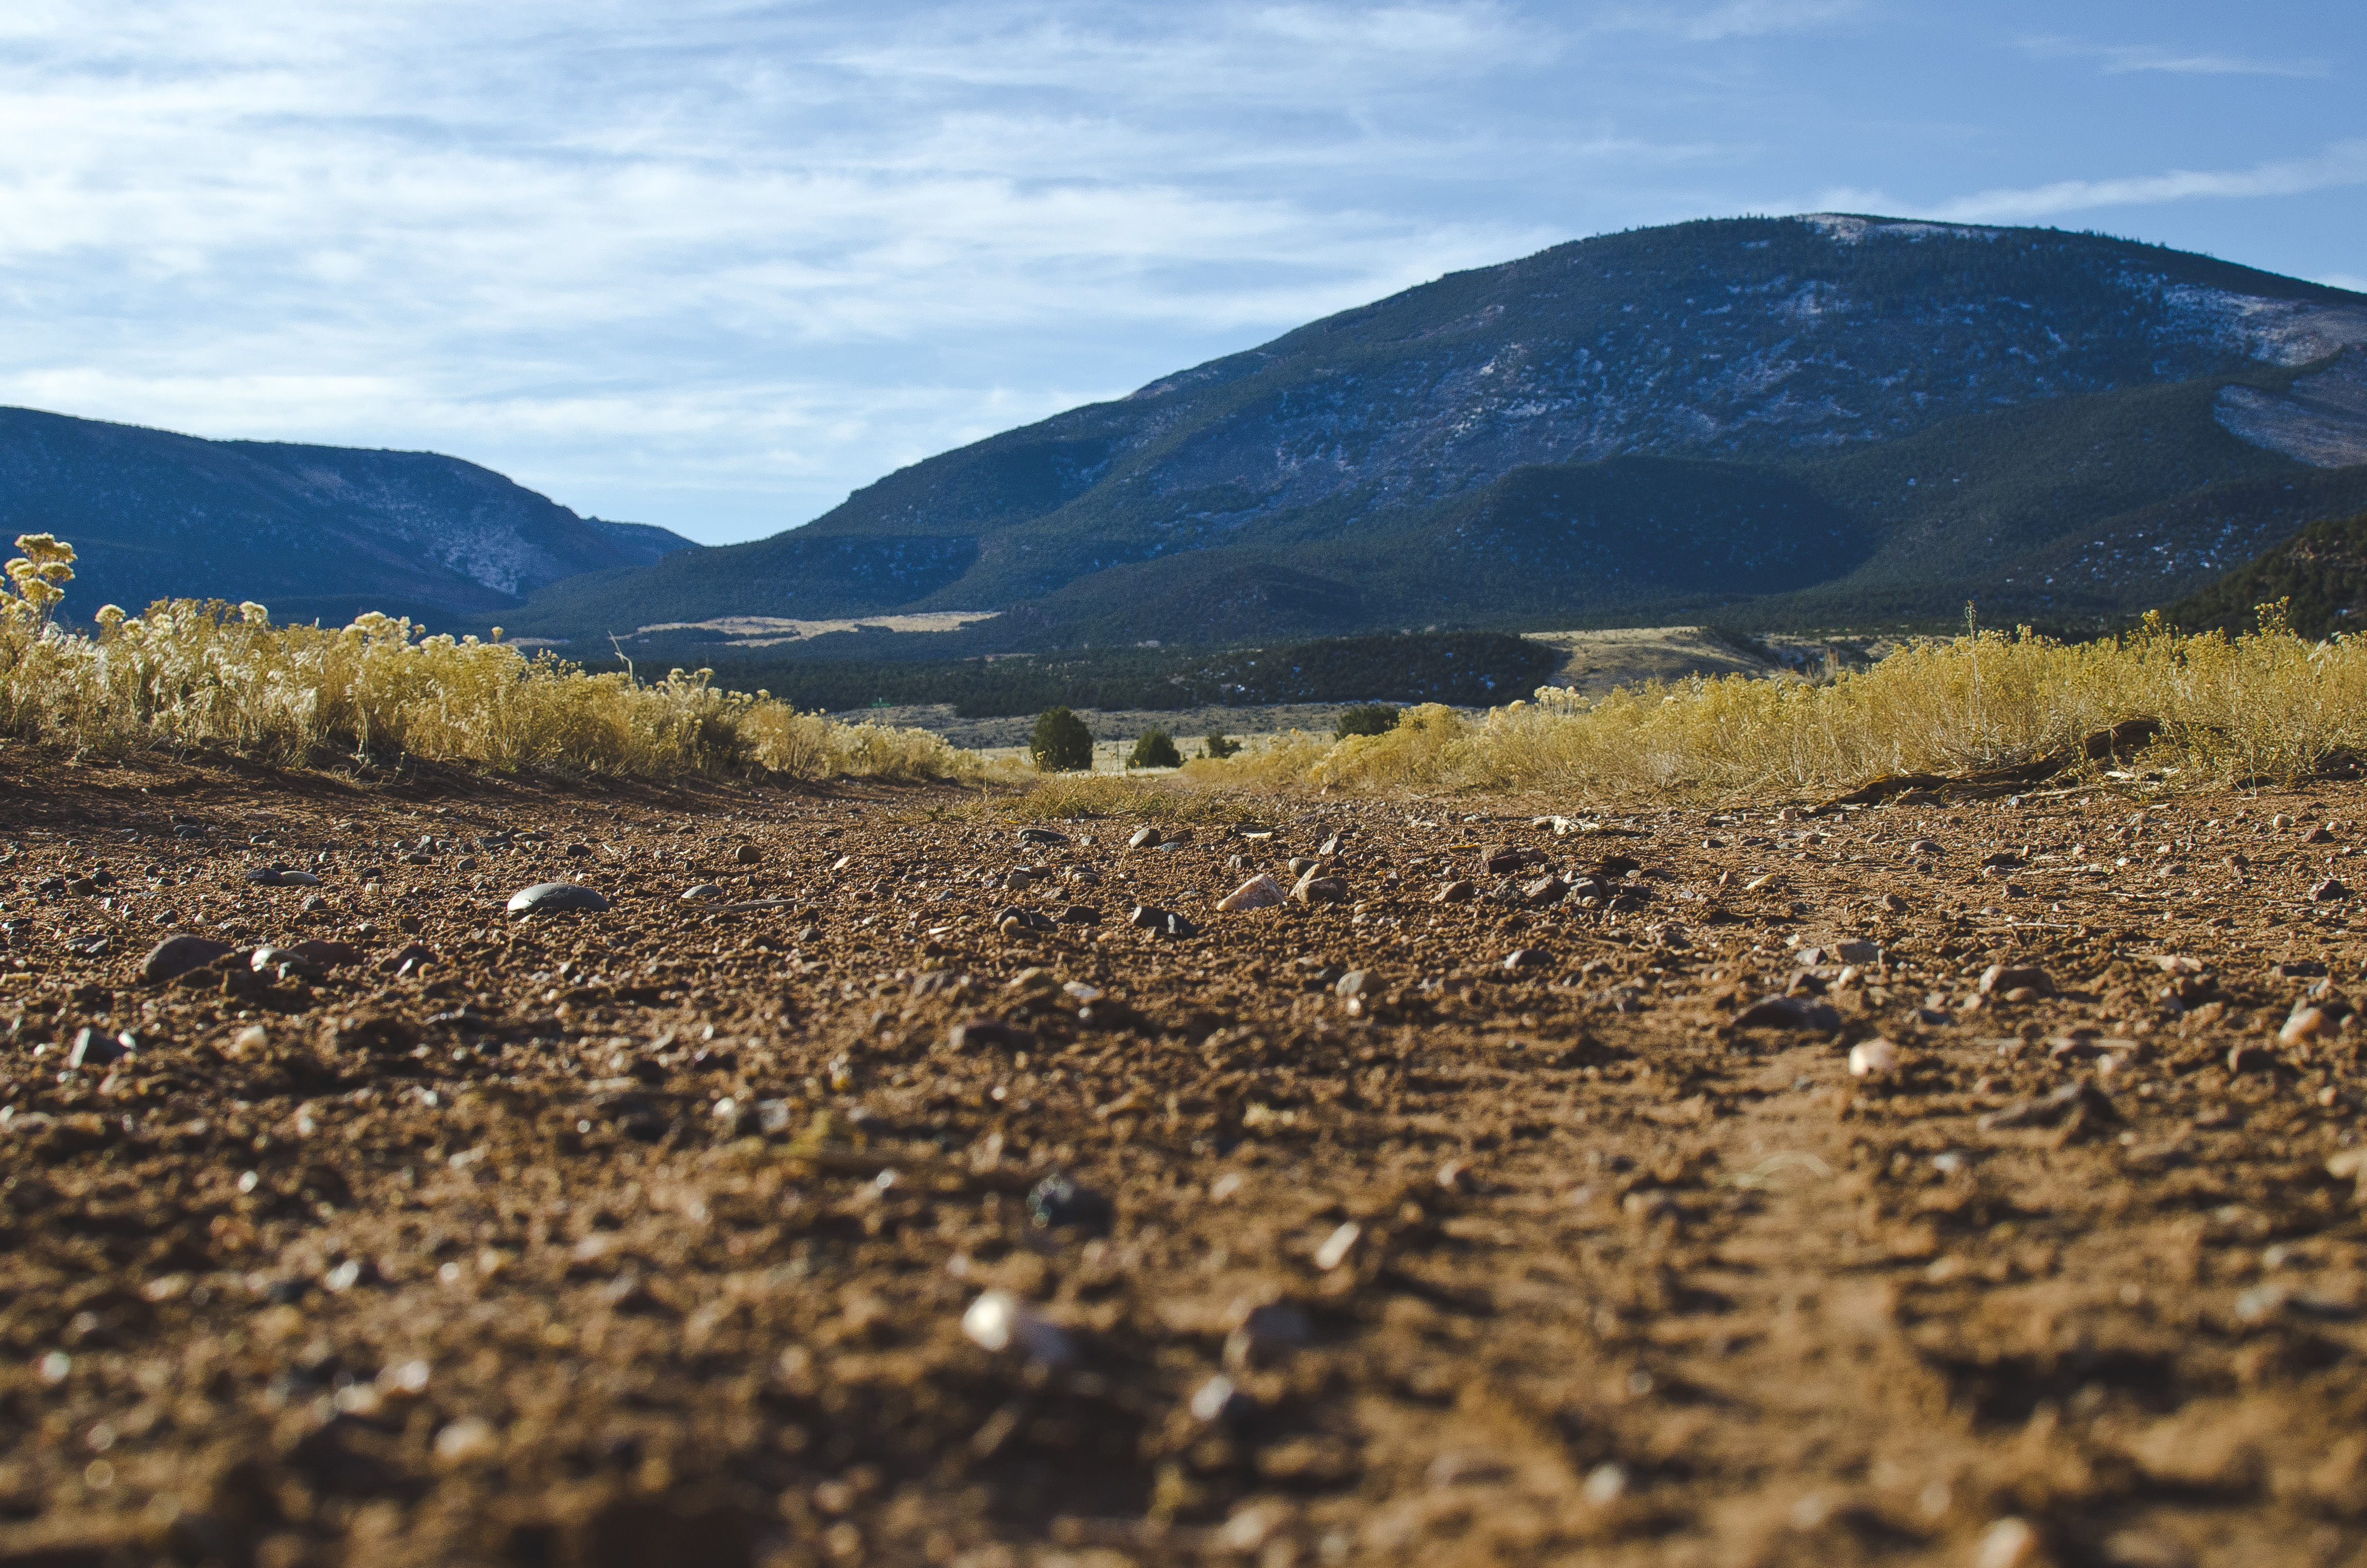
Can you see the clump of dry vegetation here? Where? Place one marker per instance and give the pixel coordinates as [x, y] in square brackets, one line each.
[190, 675]
[2266, 705]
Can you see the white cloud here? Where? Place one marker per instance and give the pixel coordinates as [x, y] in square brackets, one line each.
[2120, 60]
[2343, 163]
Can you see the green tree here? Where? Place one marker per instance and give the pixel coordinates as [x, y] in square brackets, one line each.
[1155, 748]
[1366, 718]
[1219, 746]
[1061, 744]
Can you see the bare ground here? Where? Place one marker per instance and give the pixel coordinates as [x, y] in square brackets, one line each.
[647, 1236]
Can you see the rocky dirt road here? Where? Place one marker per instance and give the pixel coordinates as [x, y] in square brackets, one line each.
[926, 1210]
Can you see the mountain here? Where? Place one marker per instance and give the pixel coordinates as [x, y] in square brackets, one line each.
[2320, 573]
[1786, 419]
[308, 531]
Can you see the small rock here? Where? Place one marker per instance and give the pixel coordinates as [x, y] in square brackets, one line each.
[999, 1321]
[466, 1442]
[1145, 837]
[1260, 892]
[2000, 978]
[1358, 983]
[1789, 1012]
[327, 954]
[1041, 836]
[2328, 891]
[1546, 890]
[1010, 916]
[1216, 1399]
[746, 854]
[698, 890]
[93, 1048]
[2318, 835]
[2082, 1099]
[1895, 904]
[1504, 859]
[2008, 1544]
[279, 878]
[1338, 1245]
[2306, 1023]
[1857, 952]
[1266, 1334]
[1300, 865]
[544, 897]
[1313, 889]
[1165, 922]
[1456, 893]
[1872, 1058]
[1528, 958]
[1080, 915]
[177, 955]
[1058, 1202]
[983, 1033]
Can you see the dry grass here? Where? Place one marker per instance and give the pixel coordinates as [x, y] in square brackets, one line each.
[195, 675]
[2267, 705]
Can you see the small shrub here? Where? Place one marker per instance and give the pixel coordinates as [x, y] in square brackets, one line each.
[1061, 744]
[1366, 718]
[1154, 748]
[1218, 747]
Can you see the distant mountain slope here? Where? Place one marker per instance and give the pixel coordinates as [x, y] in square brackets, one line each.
[1344, 476]
[306, 530]
[644, 542]
[2321, 571]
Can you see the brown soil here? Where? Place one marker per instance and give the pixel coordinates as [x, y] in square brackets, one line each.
[473, 1264]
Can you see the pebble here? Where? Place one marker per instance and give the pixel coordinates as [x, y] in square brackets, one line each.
[1358, 983]
[1215, 1399]
[1528, 958]
[1338, 1245]
[1060, 1203]
[1503, 859]
[2000, 978]
[1145, 837]
[544, 897]
[1869, 1058]
[746, 854]
[980, 1033]
[999, 1321]
[1165, 922]
[93, 1048]
[1546, 890]
[2008, 1544]
[1260, 892]
[702, 890]
[277, 877]
[2328, 891]
[1267, 1333]
[1313, 889]
[177, 955]
[1080, 915]
[2306, 1023]
[1300, 865]
[468, 1438]
[2083, 1098]
[1041, 836]
[1789, 1012]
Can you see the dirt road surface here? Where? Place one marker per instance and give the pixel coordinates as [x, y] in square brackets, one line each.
[929, 1212]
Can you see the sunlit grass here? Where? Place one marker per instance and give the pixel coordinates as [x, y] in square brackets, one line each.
[192, 675]
[2267, 705]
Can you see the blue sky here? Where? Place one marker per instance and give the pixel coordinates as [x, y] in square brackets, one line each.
[713, 266]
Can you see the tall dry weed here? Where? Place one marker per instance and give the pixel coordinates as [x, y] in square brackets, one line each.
[2266, 705]
[191, 674]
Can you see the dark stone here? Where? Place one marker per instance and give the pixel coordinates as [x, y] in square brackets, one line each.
[981, 1032]
[1058, 1202]
[1080, 915]
[1041, 836]
[1789, 1012]
[177, 955]
[544, 897]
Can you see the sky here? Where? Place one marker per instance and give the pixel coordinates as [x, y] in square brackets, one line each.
[714, 265]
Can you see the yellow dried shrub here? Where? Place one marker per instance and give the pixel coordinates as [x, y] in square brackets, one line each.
[190, 674]
[2266, 705]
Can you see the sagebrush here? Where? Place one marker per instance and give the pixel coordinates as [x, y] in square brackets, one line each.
[207, 674]
[2267, 705]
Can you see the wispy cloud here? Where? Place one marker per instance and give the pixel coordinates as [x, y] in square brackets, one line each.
[2344, 163]
[2120, 60]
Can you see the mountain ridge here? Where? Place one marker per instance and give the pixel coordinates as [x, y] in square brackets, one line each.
[305, 529]
[1283, 489]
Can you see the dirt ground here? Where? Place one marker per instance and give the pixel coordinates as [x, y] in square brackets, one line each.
[675, 1234]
